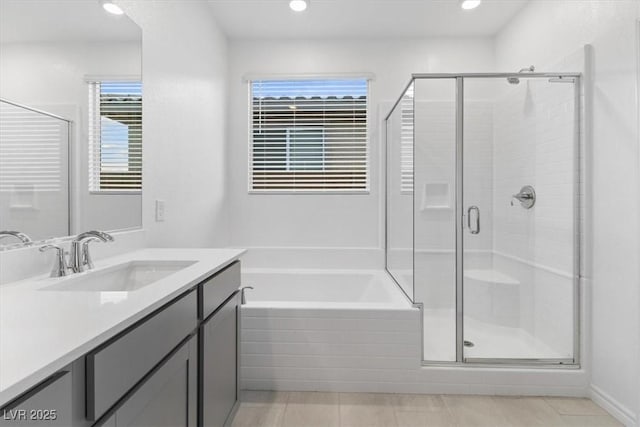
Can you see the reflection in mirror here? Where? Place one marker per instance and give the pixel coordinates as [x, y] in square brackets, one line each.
[71, 126]
[34, 187]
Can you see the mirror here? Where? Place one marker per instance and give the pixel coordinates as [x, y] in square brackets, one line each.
[70, 119]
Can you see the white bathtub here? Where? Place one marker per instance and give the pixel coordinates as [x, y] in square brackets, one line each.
[329, 289]
[325, 330]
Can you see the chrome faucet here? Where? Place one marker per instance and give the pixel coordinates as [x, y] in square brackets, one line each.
[243, 298]
[80, 259]
[17, 234]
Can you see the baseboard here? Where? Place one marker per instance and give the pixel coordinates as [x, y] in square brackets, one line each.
[609, 404]
[404, 388]
[428, 380]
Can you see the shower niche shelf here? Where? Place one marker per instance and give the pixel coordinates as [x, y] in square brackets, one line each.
[490, 276]
[435, 196]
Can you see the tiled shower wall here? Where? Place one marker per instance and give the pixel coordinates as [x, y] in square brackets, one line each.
[535, 135]
[534, 144]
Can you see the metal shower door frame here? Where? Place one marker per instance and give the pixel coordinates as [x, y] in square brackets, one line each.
[459, 78]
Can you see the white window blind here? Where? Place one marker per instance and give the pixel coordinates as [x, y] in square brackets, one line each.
[406, 142]
[31, 150]
[115, 136]
[309, 135]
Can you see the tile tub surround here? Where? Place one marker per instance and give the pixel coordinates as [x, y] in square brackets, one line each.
[43, 331]
[276, 409]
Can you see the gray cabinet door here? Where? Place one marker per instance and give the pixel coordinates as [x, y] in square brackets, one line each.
[168, 398]
[219, 364]
[46, 405]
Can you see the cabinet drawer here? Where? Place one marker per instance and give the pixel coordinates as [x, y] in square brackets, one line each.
[218, 288]
[115, 367]
[48, 404]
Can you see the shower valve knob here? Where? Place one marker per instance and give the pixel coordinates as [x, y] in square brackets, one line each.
[526, 197]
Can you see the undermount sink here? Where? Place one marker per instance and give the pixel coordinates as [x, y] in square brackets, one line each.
[126, 277]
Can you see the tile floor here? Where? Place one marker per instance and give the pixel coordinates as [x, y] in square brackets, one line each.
[295, 409]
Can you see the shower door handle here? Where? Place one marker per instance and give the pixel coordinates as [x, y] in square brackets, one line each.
[476, 226]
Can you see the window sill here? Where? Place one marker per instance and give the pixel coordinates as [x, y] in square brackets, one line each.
[308, 192]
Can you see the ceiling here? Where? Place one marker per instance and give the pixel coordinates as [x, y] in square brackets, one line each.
[62, 20]
[332, 19]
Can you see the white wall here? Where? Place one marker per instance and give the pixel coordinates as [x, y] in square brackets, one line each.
[184, 121]
[543, 33]
[346, 221]
[51, 76]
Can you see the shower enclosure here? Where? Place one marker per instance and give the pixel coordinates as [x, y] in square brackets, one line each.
[34, 172]
[483, 218]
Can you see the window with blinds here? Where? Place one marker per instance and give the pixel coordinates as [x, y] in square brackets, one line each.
[115, 136]
[32, 146]
[309, 136]
[406, 142]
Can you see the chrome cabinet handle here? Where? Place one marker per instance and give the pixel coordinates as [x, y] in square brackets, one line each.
[476, 228]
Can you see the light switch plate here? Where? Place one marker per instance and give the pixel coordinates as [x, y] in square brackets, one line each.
[159, 210]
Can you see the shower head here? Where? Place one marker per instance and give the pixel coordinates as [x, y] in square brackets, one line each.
[515, 80]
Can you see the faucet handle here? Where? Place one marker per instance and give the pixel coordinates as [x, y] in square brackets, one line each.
[60, 265]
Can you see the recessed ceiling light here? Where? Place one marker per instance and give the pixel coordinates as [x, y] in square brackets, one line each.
[298, 5]
[111, 7]
[469, 4]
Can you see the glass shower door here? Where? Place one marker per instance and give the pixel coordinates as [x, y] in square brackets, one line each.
[399, 193]
[519, 224]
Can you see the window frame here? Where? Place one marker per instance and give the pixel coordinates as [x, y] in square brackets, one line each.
[91, 81]
[249, 79]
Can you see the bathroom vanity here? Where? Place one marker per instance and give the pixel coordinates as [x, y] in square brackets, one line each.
[148, 338]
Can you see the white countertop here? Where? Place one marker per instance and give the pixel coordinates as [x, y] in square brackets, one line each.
[43, 331]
